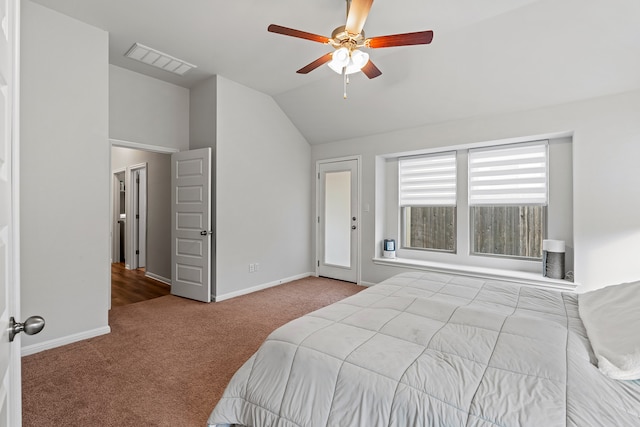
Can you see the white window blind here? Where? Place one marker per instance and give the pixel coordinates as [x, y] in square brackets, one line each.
[513, 175]
[428, 180]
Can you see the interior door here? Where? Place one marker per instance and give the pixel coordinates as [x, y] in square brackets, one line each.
[139, 217]
[10, 389]
[191, 224]
[338, 220]
[142, 215]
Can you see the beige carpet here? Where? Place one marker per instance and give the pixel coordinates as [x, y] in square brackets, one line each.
[166, 361]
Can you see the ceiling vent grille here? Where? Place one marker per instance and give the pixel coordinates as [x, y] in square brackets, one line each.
[158, 59]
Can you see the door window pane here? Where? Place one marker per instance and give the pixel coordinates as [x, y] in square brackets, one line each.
[337, 237]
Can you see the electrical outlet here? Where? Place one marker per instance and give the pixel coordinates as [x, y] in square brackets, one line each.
[252, 268]
[257, 267]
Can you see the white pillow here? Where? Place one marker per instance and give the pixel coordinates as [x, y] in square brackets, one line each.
[611, 317]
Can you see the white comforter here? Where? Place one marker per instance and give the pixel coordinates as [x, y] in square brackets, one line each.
[425, 349]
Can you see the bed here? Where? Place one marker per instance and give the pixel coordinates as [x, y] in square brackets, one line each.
[431, 349]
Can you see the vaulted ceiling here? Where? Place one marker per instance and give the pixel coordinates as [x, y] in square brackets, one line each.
[486, 57]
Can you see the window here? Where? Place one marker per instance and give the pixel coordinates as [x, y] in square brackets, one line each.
[508, 195]
[428, 201]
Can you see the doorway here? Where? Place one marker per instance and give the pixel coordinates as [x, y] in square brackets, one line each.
[338, 219]
[129, 216]
[141, 224]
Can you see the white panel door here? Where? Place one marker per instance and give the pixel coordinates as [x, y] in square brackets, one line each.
[338, 220]
[138, 218]
[191, 224]
[142, 221]
[10, 389]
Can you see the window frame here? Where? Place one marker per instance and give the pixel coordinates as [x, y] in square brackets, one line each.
[387, 218]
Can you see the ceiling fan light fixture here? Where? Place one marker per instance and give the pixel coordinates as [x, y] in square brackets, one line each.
[349, 62]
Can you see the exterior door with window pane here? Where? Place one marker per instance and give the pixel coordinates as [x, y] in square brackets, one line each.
[338, 222]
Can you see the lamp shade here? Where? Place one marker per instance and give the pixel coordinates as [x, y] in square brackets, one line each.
[359, 58]
[340, 57]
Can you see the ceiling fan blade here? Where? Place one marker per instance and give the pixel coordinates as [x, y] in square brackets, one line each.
[371, 70]
[315, 64]
[297, 33]
[358, 12]
[420, 37]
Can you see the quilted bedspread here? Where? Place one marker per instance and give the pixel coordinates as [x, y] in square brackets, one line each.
[428, 349]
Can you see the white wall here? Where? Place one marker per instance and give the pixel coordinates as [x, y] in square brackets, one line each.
[263, 174]
[202, 114]
[202, 133]
[64, 175]
[147, 111]
[606, 193]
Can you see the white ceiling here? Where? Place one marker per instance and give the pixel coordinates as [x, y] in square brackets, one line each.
[487, 57]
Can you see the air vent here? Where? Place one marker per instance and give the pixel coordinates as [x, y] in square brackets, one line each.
[158, 59]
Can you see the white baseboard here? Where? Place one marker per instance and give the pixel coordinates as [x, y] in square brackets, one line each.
[58, 342]
[158, 278]
[229, 295]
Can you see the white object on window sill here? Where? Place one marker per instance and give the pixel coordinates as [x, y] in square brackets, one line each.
[524, 277]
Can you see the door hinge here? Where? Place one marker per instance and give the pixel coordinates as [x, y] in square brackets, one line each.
[318, 175]
[318, 263]
[318, 220]
[137, 252]
[137, 216]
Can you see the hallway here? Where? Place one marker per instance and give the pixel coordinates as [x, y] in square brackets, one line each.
[131, 286]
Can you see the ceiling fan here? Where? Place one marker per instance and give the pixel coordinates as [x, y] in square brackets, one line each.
[349, 38]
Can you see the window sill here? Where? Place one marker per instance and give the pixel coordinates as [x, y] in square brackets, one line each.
[524, 277]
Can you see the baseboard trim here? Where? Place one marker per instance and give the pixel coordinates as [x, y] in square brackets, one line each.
[367, 284]
[158, 278]
[58, 342]
[230, 295]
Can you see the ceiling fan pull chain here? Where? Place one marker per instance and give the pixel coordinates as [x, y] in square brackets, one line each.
[345, 80]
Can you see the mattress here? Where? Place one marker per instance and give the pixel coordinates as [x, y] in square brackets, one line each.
[430, 349]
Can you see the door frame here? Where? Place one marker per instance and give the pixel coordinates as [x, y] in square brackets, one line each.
[135, 146]
[358, 262]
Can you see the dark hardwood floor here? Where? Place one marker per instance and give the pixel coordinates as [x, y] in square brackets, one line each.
[129, 286]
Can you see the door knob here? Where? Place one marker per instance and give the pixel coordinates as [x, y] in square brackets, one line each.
[353, 227]
[31, 326]
[205, 232]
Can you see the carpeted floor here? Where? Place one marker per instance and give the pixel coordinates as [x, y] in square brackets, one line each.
[166, 361]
